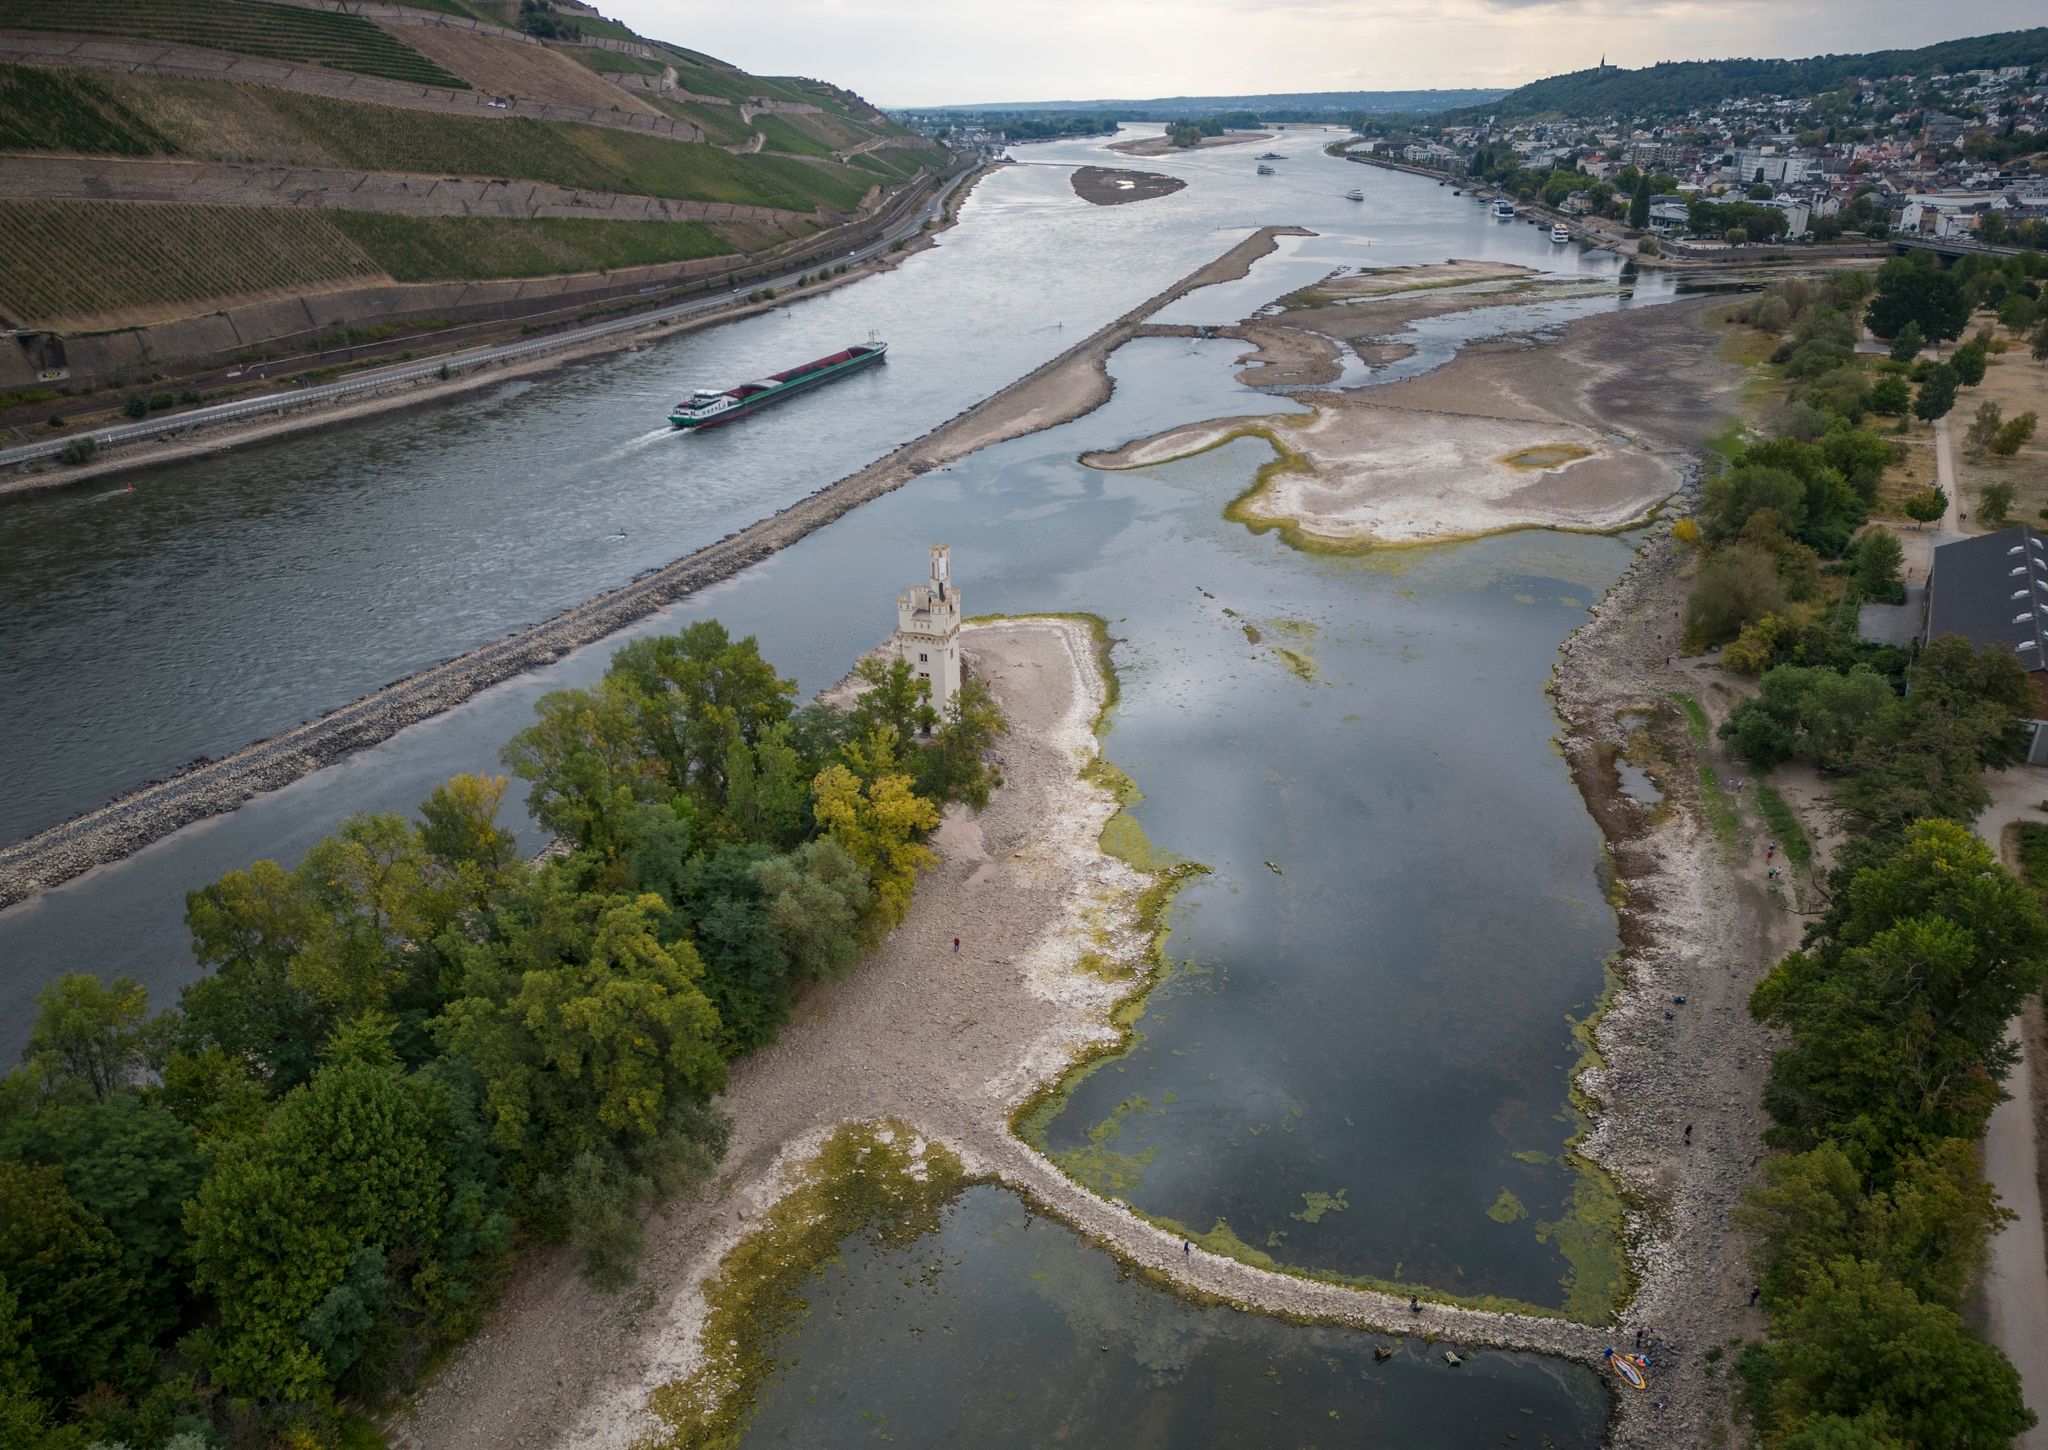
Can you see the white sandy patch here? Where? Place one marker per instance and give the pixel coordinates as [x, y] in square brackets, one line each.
[1397, 476]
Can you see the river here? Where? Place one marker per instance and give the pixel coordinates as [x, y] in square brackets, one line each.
[1360, 1062]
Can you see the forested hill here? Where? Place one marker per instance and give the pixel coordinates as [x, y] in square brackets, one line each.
[1676, 87]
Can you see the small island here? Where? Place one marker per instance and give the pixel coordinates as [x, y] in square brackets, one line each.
[1114, 185]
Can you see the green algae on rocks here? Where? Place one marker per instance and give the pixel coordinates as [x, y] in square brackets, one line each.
[880, 1179]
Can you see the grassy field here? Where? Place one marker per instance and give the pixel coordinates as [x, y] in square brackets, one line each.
[86, 258]
[779, 135]
[388, 138]
[428, 249]
[612, 62]
[245, 27]
[43, 110]
[721, 125]
[1786, 829]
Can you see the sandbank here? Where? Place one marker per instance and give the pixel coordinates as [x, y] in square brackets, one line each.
[1160, 146]
[1352, 475]
[1117, 185]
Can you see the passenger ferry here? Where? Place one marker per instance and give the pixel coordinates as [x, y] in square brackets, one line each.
[1560, 233]
[1504, 209]
[1354, 195]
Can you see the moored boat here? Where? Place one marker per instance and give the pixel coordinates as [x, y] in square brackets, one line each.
[1560, 233]
[1504, 209]
[709, 407]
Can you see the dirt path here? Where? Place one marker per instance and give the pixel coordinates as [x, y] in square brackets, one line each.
[946, 1043]
[1070, 385]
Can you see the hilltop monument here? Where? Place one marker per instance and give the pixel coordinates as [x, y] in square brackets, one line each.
[928, 629]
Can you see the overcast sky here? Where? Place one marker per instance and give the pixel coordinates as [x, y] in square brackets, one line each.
[928, 52]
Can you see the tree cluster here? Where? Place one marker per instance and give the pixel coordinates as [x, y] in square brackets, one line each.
[416, 1050]
[1871, 1228]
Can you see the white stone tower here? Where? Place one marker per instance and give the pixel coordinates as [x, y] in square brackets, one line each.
[928, 629]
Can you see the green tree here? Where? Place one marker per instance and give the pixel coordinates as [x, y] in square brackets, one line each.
[1925, 506]
[1913, 289]
[588, 764]
[1866, 1348]
[1994, 504]
[1970, 361]
[2014, 434]
[346, 1163]
[1937, 393]
[88, 1040]
[1908, 342]
[696, 692]
[1737, 585]
[249, 927]
[1983, 427]
[132, 1166]
[587, 1029]
[1735, 494]
[66, 1270]
[1878, 557]
[1890, 396]
[1639, 204]
[2040, 344]
[815, 899]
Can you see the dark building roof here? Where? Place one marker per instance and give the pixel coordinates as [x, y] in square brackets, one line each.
[1993, 589]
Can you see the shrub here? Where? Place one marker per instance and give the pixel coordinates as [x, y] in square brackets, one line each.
[135, 406]
[1737, 585]
[79, 450]
[1772, 314]
[2008, 439]
[1890, 396]
[1994, 504]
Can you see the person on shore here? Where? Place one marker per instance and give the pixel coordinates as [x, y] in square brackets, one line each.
[1755, 1290]
[1187, 1250]
[1414, 1305]
[1688, 1135]
[956, 946]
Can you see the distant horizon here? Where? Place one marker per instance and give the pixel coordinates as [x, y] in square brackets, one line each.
[1125, 102]
[922, 55]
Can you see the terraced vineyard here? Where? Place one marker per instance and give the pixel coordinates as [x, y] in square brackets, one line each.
[432, 249]
[387, 138]
[245, 27]
[42, 110]
[73, 259]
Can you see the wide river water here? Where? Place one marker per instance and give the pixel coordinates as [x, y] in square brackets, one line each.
[1360, 1062]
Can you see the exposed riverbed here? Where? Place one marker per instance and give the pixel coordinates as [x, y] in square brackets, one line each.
[1360, 1064]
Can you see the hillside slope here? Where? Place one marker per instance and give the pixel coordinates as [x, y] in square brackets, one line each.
[173, 161]
[1676, 87]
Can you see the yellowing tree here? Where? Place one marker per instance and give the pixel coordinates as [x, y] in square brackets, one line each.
[879, 828]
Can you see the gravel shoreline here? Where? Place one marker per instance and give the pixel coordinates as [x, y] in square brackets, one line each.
[1070, 385]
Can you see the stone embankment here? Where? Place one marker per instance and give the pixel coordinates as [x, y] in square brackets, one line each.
[1067, 387]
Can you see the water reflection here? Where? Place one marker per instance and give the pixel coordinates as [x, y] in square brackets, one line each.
[998, 1331]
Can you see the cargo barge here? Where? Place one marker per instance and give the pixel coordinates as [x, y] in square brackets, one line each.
[709, 407]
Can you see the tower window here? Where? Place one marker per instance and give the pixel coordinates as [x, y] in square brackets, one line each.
[923, 659]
